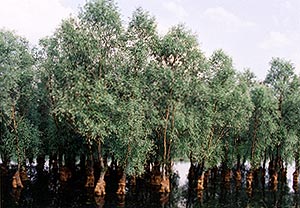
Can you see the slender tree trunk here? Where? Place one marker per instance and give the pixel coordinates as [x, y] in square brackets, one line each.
[200, 179]
[169, 143]
[101, 184]
[16, 182]
[90, 181]
[296, 172]
[165, 182]
[254, 139]
[297, 164]
[165, 139]
[122, 184]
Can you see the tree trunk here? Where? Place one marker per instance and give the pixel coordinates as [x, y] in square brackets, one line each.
[40, 164]
[297, 164]
[16, 182]
[165, 184]
[295, 180]
[200, 182]
[100, 186]
[90, 181]
[165, 181]
[82, 163]
[156, 174]
[122, 185]
[165, 138]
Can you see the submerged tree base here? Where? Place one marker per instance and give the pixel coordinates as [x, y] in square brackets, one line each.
[49, 191]
[16, 181]
[100, 187]
[121, 186]
[90, 181]
[165, 185]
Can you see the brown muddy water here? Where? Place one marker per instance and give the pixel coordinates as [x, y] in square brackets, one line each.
[46, 191]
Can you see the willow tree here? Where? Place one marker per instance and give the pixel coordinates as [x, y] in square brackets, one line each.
[82, 53]
[228, 110]
[240, 108]
[290, 109]
[280, 78]
[131, 145]
[19, 135]
[263, 125]
[177, 58]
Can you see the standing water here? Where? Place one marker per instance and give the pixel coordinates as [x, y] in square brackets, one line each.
[45, 191]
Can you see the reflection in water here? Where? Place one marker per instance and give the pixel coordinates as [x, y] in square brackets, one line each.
[47, 191]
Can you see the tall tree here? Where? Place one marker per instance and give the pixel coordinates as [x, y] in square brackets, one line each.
[20, 136]
[177, 59]
[290, 111]
[80, 55]
[227, 110]
[263, 124]
[280, 78]
[132, 116]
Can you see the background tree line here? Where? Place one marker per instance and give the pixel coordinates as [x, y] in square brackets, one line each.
[99, 89]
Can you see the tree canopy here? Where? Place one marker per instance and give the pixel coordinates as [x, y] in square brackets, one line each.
[126, 93]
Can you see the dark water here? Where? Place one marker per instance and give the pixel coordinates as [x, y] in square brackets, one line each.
[46, 191]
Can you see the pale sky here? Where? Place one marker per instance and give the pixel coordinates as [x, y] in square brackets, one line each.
[250, 31]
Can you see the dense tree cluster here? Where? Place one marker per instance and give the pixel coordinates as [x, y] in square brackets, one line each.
[103, 91]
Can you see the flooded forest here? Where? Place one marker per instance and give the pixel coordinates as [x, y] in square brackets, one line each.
[107, 114]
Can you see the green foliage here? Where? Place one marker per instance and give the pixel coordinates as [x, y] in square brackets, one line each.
[279, 76]
[282, 80]
[17, 93]
[28, 141]
[263, 124]
[291, 114]
[140, 96]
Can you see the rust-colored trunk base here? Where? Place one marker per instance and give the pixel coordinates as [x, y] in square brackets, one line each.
[238, 175]
[100, 187]
[249, 179]
[249, 182]
[121, 186]
[274, 178]
[295, 180]
[200, 195]
[155, 180]
[156, 175]
[227, 175]
[295, 177]
[16, 181]
[165, 185]
[200, 182]
[274, 181]
[23, 175]
[64, 174]
[206, 178]
[90, 180]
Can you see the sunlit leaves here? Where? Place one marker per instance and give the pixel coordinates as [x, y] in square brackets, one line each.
[263, 124]
[20, 137]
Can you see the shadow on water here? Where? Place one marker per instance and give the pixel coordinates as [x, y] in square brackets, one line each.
[45, 190]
